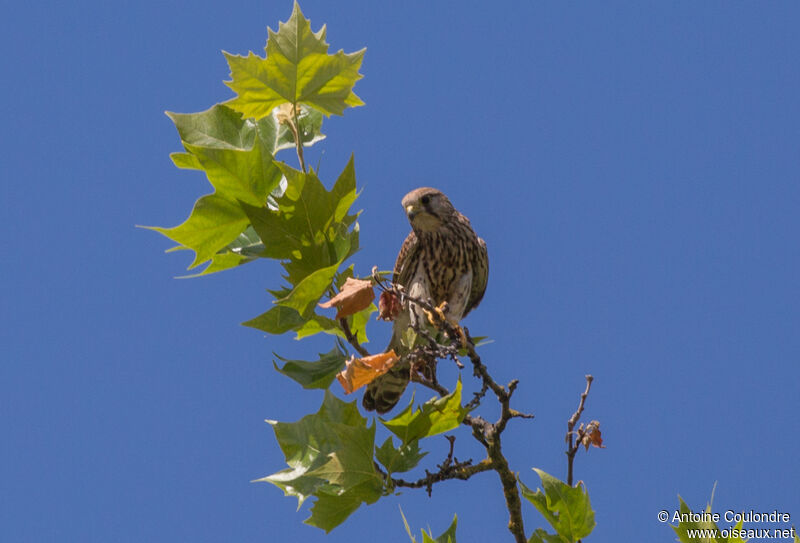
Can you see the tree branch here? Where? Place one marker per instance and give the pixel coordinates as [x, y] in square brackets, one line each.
[572, 447]
[486, 433]
[351, 339]
[451, 468]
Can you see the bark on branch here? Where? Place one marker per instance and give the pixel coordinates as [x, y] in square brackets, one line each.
[486, 433]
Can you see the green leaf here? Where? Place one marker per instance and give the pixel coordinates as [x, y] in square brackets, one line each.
[297, 69]
[308, 222]
[248, 176]
[449, 535]
[329, 455]
[215, 222]
[351, 465]
[185, 161]
[245, 248]
[307, 443]
[294, 482]
[219, 127]
[436, 416]
[399, 460]
[220, 262]
[278, 136]
[408, 529]
[330, 509]
[541, 536]
[566, 508]
[277, 320]
[686, 523]
[317, 324]
[358, 323]
[309, 230]
[308, 292]
[318, 374]
[247, 244]
[240, 168]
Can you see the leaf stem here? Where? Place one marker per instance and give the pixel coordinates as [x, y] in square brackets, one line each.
[293, 123]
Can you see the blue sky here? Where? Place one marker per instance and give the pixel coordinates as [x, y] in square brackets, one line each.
[633, 167]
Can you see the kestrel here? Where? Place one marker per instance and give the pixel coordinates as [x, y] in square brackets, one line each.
[441, 260]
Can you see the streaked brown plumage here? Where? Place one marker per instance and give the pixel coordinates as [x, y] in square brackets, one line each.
[443, 260]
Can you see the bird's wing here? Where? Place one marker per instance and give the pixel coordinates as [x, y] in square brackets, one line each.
[460, 297]
[403, 271]
[480, 276]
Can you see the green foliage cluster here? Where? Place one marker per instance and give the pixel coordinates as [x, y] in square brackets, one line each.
[684, 527]
[693, 528]
[566, 508]
[264, 208]
[448, 536]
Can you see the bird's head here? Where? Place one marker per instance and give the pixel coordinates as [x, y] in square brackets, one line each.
[427, 209]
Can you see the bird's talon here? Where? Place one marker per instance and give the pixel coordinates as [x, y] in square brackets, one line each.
[461, 336]
[441, 310]
[431, 318]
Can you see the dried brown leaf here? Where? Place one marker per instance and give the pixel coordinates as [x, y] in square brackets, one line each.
[361, 371]
[591, 435]
[388, 306]
[355, 295]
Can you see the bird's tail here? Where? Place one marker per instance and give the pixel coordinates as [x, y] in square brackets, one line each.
[383, 393]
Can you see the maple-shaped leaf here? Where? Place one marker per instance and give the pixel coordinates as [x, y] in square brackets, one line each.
[317, 374]
[355, 295]
[332, 507]
[329, 454]
[449, 535]
[220, 127]
[297, 69]
[309, 220]
[351, 464]
[435, 416]
[223, 260]
[541, 536]
[566, 508]
[215, 221]
[689, 523]
[244, 175]
[245, 248]
[240, 167]
[311, 231]
[398, 460]
[361, 371]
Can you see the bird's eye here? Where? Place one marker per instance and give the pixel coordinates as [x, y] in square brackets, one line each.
[425, 200]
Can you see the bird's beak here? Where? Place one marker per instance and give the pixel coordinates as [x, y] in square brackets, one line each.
[411, 212]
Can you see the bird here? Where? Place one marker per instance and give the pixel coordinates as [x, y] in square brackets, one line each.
[441, 260]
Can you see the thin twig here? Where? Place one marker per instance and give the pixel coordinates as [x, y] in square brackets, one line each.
[572, 447]
[458, 470]
[353, 340]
